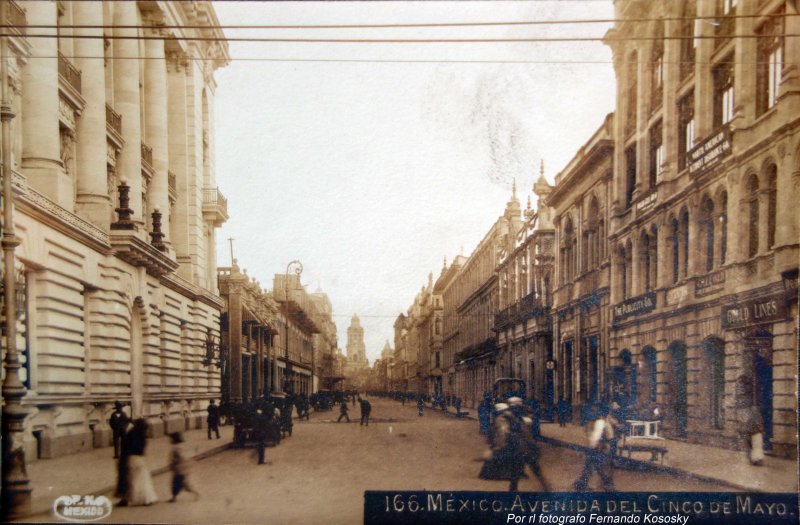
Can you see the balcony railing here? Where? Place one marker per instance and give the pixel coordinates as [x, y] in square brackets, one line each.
[113, 119]
[147, 155]
[70, 73]
[215, 202]
[11, 14]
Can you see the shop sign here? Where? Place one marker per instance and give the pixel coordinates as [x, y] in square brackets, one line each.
[755, 311]
[636, 306]
[710, 151]
[709, 283]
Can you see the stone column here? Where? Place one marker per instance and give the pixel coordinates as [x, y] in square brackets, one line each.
[155, 85]
[672, 53]
[127, 103]
[704, 82]
[178, 130]
[92, 201]
[41, 147]
[259, 391]
[664, 262]
[636, 272]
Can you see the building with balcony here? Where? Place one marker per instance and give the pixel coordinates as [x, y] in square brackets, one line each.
[477, 361]
[450, 325]
[580, 300]
[326, 346]
[295, 342]
[111, 152]
[703, 230]
[522, 322]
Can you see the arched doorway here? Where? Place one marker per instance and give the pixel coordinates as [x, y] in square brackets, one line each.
[678, 399]
[650, 374]
[759, 351]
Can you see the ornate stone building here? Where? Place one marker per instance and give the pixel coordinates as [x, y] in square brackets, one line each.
[112, 159]
[704, 226]
[522, 322]
[581, 291]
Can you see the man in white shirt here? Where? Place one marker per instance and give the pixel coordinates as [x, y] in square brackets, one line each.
[601, 435]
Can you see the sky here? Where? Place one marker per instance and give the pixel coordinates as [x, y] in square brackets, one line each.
[373, 162]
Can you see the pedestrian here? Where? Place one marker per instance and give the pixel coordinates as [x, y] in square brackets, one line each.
[403, 398]
[598, 458]
[118, 422]
[140, 490]
[343, 412]
[504, 459]
[528, 433]
[261, 429]
[752, 433]
[179, 467]
[366, 407]
[485, 414]
[213, 419]
[563, 411]
[420, 405]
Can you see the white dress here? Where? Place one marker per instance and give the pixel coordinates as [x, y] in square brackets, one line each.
[140, 483]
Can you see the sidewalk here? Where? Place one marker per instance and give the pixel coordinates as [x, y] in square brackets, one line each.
[95, 472]
[724, 466]
[729, 467]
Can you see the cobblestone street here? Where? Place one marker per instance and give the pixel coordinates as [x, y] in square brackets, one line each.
[323, 470]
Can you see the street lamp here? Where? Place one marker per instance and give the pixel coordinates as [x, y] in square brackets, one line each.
[295, 267]
[16, 491]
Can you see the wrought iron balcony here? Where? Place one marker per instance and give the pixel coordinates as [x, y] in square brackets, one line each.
[69, 72]
[215, 206]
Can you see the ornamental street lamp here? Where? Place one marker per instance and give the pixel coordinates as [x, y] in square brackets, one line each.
[295, 267]
[16, 491]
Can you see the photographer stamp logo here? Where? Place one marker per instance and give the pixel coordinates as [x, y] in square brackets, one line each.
[82, 508]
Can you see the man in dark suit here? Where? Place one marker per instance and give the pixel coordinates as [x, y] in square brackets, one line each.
[213, 419]
[366, 407]
[118, 422]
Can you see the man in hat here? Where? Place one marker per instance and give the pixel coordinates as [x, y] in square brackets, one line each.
[213, 419]
[118, 422]
[529, 448]
[504, 460]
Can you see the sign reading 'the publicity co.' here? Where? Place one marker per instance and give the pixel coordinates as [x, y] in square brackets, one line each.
[755, 311]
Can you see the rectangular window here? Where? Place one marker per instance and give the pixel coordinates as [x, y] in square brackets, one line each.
[769, 63]
[656, 154]
[630, 174]
[723, 92]
[686, 129]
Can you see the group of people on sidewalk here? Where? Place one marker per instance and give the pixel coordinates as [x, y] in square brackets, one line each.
[134, 480]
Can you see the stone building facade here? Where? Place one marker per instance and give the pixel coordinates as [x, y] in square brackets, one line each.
[703, 226]
[522, 322]
[580, 301]
[118, 304]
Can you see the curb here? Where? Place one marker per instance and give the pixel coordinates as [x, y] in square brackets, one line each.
[647, 465]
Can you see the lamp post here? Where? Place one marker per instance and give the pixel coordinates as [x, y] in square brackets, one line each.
[16, 491]
[295, 267]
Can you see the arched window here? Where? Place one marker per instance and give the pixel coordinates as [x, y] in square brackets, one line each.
[623, 273]
[592, 236]
[646, 262]
[685, 243]
[651, 372]
[772, 203]
[715, 364]
[567, 250]
[707, 232]
[723, 227]
[752, 196]
[630, 93]
[653, 255]
[629, 270]
[676, 251]
[657, 68]
[688, 40]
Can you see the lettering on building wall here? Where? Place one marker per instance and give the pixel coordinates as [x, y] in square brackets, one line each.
[635, 306]
[710, 152]
[764, 310]
[710, 283]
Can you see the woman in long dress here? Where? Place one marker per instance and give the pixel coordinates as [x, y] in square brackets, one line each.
[140, 483]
